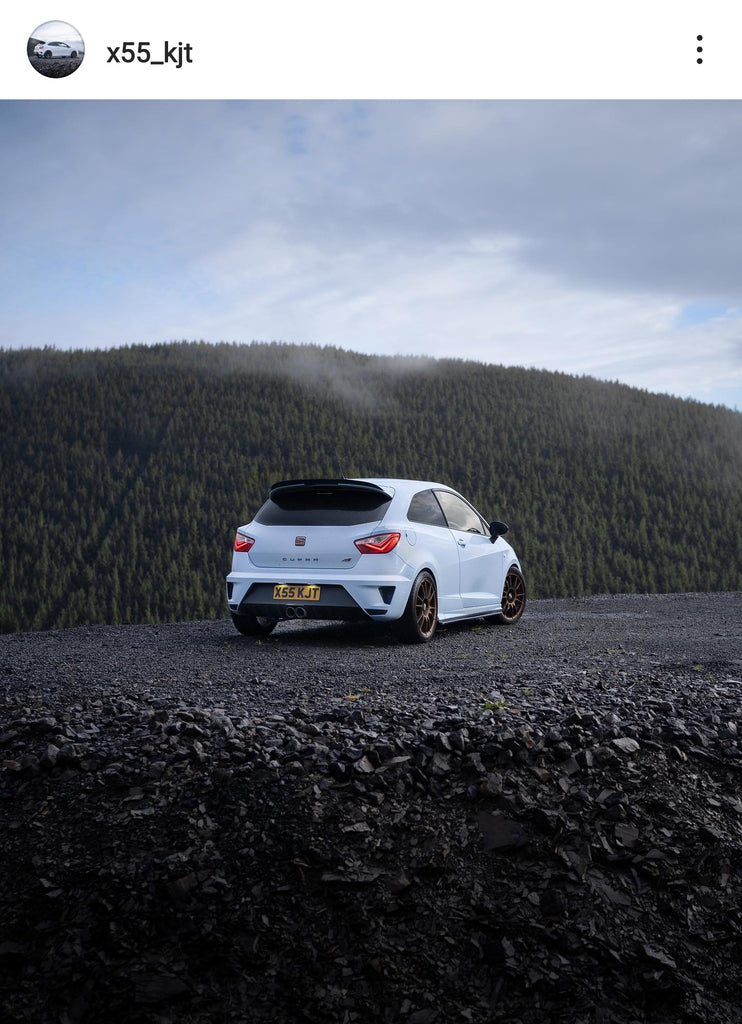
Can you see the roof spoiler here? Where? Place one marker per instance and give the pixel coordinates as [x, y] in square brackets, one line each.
[343, 483]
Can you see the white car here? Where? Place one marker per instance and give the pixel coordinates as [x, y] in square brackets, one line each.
[411, 552]
[57, 49]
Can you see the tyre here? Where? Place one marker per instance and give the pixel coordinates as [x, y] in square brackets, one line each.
[420, 617]
[252, 625]
[48, 54]
[513, 598]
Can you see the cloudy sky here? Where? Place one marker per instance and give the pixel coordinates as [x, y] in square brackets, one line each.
[56, 30]
[597, 238]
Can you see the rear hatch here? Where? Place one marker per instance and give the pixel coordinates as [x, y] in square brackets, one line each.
[312, 524]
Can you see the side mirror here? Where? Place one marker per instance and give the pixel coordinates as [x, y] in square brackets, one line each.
[497, 529]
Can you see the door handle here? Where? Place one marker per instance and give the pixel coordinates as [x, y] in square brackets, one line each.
[462, 543]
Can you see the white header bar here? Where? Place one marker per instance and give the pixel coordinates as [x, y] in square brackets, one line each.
[385, 49]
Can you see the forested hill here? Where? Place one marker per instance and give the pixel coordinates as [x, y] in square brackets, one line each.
[123, 473]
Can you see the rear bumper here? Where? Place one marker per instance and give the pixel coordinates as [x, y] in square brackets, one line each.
[340, 597]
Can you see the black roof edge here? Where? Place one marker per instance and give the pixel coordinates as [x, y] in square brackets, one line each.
[343, 484]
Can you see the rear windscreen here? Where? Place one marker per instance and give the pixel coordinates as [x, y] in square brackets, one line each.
[328, 506]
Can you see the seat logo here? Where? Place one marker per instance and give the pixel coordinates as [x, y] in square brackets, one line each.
[300, 541]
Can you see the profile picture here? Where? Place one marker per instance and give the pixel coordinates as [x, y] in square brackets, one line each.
[55, 49]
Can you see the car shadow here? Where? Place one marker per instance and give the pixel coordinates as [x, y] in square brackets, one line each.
[337, 634]
[322, 634]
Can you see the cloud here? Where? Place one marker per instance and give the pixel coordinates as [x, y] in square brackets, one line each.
[592, 237]
[59, 30]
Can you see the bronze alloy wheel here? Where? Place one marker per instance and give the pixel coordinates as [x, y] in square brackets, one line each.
[513, 597]
[421, 614]
[426, 605]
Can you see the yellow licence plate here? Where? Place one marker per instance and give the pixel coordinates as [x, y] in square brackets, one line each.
[295, 592]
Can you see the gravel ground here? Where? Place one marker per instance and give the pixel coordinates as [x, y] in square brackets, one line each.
[536, 823]
[56, 67]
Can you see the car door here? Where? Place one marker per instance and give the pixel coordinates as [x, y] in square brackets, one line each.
[481, 563]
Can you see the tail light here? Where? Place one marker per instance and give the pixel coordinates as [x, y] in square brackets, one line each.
[242, 542]
[379, 544]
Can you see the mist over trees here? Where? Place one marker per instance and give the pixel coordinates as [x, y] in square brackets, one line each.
[123, 473]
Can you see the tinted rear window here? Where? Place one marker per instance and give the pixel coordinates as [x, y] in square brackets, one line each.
[323, 507]
[424, 508]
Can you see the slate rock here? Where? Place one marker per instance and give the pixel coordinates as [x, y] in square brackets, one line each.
[500, 833]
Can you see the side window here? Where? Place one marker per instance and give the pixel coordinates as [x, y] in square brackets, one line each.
[424, 508]
[459, 513]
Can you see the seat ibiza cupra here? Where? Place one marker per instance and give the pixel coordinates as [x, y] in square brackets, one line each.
[409, 552]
